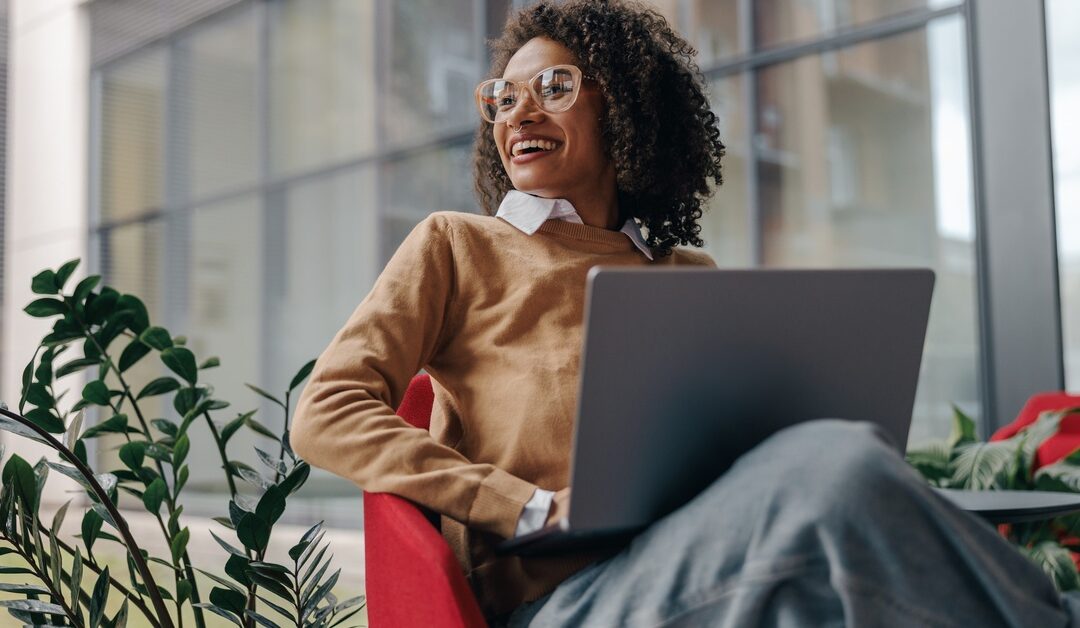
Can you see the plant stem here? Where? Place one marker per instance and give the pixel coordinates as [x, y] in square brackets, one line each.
[137, 600]
[58, 597]
[224, 456]
[103, 498]
[200, 621]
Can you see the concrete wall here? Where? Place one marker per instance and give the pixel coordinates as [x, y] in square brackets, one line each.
[47, 178]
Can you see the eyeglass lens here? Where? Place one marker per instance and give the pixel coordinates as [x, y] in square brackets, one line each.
[554, 87]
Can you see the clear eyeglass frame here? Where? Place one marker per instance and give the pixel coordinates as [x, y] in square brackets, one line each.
[490, 112]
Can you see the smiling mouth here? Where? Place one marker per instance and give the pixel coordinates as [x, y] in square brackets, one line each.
[532, 146]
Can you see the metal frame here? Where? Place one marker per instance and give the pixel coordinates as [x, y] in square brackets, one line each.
[1014, 200]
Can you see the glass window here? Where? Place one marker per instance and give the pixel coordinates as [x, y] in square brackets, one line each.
[331, 244]
[131, 262]
[436, 57]
[447, 185]
[1062, 20]
[216, 90]
[779, 22]
[712, 26]
[725, 224]
[131, 131]
[322, 82]
[225, 315]
[862, 160]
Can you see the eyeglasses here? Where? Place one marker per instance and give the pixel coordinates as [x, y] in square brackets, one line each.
[553, 90]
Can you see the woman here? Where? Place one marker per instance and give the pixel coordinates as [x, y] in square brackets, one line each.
[597, 127]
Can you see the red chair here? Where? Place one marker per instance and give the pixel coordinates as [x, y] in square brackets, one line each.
[1066, 441]
[413, 579]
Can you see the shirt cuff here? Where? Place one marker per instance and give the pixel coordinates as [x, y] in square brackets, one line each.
[536, 512]
[499, 502]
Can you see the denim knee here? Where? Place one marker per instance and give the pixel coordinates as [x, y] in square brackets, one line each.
[830, 462]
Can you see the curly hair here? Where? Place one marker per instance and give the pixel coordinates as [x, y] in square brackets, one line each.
[657, 126]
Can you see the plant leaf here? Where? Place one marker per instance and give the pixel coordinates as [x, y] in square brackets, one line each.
[84, 287]
[253, 532]
[271, 463]
[15, 427]
[97, 393]
[932, 461]
[154, 495]
[117, 423]
[45, 307]
[181, 361]
[984, 466]
[1057, 562]
[46, 420]
[180, 449]
[228, 548]
[271, 505]
[159, 386]
[139, 318]
[210, 363]
[34, 606]
[260, 428]
[263, 393]
[301, 375]
[157, 338]
[179, 544]
[296, 478]
[64, 273]
[44, 283]
[132, 454]
[217, 610]
[99, 598]
[131, 354]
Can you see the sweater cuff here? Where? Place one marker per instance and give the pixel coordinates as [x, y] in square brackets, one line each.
[499, 502]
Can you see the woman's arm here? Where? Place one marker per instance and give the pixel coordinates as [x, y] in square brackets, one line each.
[345, 420]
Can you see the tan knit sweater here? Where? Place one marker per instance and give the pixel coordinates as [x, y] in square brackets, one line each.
[495, 316]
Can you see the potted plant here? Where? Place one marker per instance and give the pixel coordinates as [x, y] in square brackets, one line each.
[103, 334]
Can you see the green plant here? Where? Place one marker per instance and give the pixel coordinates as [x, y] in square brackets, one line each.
[963, 462]
[100, 324]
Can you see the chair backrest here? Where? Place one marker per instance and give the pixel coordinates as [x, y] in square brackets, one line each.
[1066, 441]
[416, 405]
[413, 579]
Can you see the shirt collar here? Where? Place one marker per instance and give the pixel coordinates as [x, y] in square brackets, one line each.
[528, 212]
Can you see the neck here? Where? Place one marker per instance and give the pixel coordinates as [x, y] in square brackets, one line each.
[598, 207]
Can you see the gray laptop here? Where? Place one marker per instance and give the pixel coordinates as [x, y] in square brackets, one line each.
[685, 369]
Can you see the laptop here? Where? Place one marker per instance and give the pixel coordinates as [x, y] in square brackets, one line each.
[685, 369]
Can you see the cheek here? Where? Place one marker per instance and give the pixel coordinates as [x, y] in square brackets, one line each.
[499, 143]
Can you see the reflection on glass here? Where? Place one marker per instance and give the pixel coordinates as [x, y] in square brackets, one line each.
[1062, 20]
[322, 82]
[217, 126]
[862, 161]
[132, 119]
[435, 60]
[225, 314]
[724, 225]
[447, 185]
[784, 21]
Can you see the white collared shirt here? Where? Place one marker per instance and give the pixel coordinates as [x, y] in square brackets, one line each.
[528, 212]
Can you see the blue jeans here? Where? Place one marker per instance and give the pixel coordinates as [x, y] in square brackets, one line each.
[823, 524]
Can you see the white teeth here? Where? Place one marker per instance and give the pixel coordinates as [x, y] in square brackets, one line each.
[546, 145]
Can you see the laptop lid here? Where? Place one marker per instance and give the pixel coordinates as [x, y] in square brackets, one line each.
[685, 369]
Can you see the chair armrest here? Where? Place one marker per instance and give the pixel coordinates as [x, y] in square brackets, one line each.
[420, 582]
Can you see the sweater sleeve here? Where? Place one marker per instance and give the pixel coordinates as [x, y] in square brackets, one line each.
[345, 421]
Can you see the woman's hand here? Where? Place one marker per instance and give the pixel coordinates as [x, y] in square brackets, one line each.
[560, 506]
